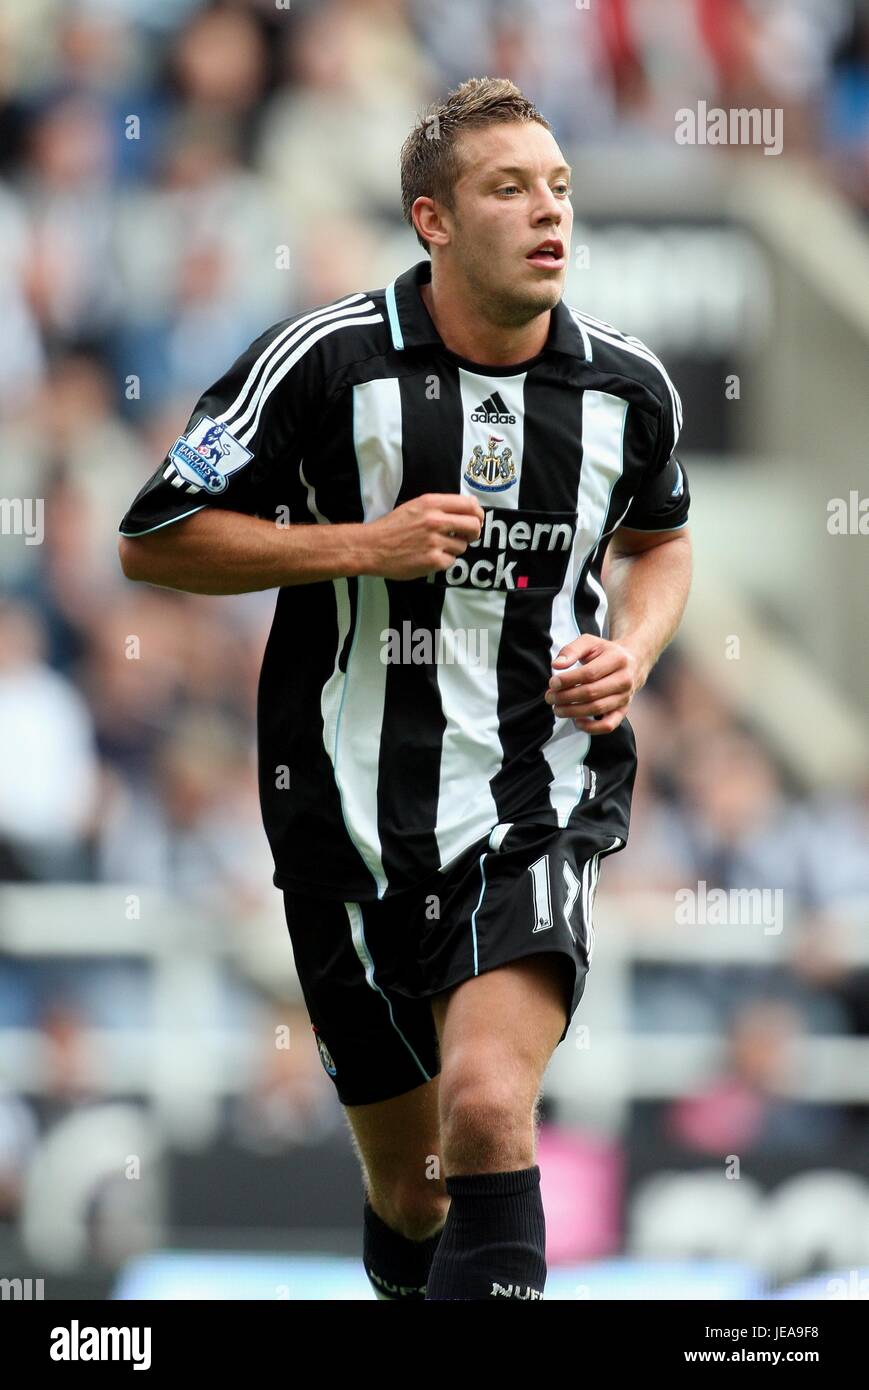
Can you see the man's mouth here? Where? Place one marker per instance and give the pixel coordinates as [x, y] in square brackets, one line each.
[549, 254]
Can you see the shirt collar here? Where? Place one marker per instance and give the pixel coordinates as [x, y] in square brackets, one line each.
[411, 324]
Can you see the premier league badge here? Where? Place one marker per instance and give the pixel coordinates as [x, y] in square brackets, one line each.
[207, 454]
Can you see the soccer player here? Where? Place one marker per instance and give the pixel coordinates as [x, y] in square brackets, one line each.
[431, 475]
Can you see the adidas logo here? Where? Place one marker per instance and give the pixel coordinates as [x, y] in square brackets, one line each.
[493, 411]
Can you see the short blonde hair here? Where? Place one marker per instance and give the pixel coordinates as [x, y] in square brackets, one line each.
[429, 161]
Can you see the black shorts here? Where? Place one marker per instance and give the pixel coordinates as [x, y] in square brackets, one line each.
[367, 970]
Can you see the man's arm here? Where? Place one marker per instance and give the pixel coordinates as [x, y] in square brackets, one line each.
[647, 576]
[245, 436]
[217, 551]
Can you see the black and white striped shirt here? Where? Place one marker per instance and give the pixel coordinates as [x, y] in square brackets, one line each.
[402, 721]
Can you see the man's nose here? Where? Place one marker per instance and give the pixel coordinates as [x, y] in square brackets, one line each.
[550, 209]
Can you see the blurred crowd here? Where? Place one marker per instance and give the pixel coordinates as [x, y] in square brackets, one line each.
[175, 176]
[713, 808]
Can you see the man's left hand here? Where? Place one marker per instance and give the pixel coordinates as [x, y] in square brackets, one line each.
[603, 684]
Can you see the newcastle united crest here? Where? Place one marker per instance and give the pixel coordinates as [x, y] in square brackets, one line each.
[491, 471]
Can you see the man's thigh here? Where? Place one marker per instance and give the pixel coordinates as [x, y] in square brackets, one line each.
[497, 1031]
[375, 1043]
[509, 950]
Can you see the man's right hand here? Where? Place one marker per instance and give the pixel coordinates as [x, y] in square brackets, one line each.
[422, 535]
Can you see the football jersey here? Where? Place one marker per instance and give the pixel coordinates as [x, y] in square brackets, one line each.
[400, 721]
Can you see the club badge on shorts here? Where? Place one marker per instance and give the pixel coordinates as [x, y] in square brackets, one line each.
[325, 1054]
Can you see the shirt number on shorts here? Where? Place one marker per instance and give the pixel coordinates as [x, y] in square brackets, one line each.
[541, 892]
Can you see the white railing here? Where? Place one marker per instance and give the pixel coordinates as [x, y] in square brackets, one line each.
[190, 1058]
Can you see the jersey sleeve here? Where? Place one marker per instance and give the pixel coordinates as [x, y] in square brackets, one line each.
[662, 500]
[244, 429]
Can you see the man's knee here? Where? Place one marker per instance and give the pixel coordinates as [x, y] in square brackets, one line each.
[415, 1207]
[487, 1120]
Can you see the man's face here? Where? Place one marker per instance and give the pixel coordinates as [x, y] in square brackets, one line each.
[512, 196]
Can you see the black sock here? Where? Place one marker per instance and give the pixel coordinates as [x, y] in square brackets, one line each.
[494, 1241]
[396, 1266]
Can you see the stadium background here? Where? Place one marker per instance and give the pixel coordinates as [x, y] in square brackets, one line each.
[175, 177]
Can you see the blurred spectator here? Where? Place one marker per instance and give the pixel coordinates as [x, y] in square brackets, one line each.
[69, 447]
[219, 64]
[22, 357]
[738, 830]
[200, 835]
[347, 74]
[68, 1063]
[18, 1137]
[154, 652]
[658, 856]
[49, 779]
[743, 830]
[746, 1109]
[287, 1102]
[71, 277]
[847, 114]
[202, 265]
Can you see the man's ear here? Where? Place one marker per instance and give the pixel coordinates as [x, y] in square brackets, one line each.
[428, 221]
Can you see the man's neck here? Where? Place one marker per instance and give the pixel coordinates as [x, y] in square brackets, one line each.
[479, 339]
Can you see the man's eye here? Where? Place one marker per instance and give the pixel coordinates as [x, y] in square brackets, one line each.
[564, 189]
[509, 188]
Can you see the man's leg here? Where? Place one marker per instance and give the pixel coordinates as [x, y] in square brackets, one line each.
[405, 1195]
[376, 1042]
[497, 1032]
